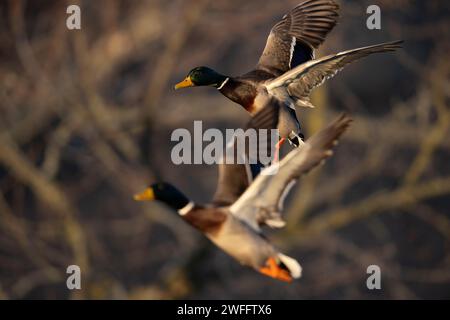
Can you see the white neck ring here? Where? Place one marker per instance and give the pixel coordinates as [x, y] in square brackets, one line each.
[186, 208]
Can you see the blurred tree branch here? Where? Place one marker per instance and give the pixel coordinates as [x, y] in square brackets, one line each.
[49, 193]
[381, 202]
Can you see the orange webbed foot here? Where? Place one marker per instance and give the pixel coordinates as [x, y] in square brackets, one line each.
[276, 157]
[273, 270]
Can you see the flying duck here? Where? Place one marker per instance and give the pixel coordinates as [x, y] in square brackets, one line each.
[241, 206]
[287, 71]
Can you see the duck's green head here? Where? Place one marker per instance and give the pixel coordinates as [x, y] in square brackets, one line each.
[201, 76]
[163, 192]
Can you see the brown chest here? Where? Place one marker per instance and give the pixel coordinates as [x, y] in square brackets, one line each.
[206, 220]
[242, 93]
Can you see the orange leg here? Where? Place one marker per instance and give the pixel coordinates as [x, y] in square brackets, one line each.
[276, 157]
[273, 270]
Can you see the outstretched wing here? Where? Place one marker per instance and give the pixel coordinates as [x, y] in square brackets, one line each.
[292, 40]
[262, 202]
[300, 81]
[235, 178]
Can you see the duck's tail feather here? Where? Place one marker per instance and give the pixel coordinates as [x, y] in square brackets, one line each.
[275, 221]
[291, 265]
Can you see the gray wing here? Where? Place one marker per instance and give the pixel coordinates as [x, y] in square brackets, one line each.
[232, 182]
[299, 82]
[262, 202]
[292, 40]
[235, 178]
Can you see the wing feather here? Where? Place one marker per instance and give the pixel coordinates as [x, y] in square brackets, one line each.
[308, 23]
[235, 178]
[300, 81]
[263, 200]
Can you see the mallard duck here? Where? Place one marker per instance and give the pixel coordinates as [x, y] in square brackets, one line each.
[240, 207]
[287, 72]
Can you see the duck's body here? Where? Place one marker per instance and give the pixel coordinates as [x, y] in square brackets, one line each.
[254, 97]
[249, 90]
[242, 243]
[287, 72]
[242, 205]
[242, 92]
[231, 235]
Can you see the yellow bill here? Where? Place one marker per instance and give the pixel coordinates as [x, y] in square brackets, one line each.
[187, 82]
[146, 195]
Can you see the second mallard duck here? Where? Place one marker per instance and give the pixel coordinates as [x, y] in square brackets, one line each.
[242, 205]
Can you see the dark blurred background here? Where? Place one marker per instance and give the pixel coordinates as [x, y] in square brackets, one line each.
[86, 118]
